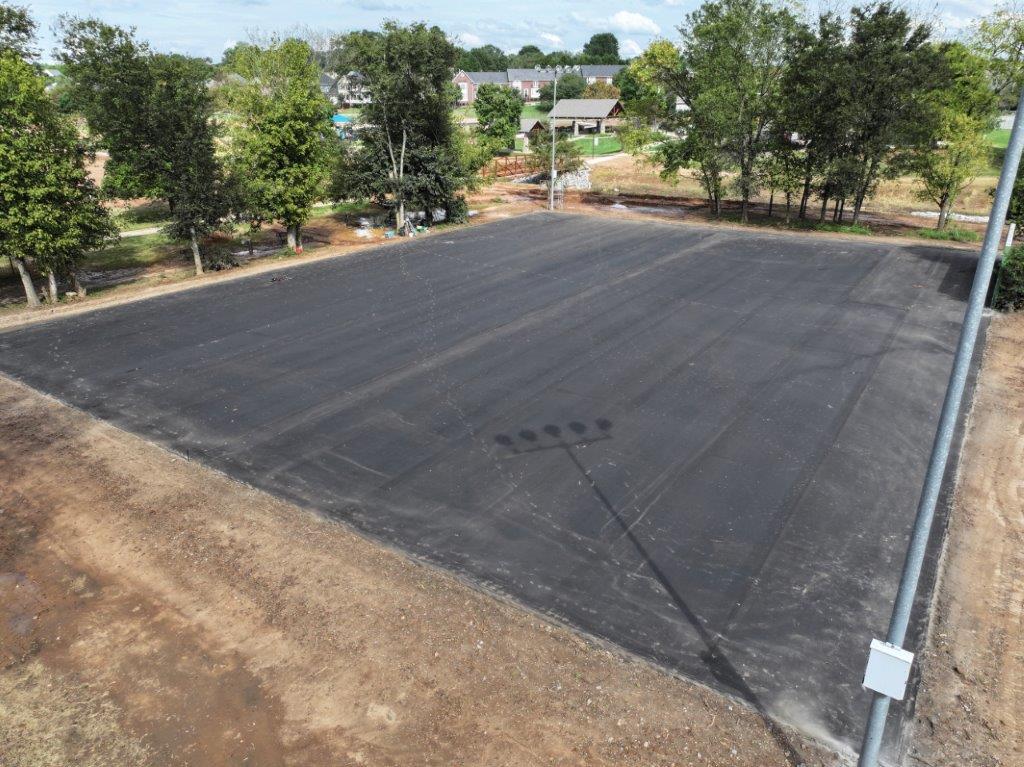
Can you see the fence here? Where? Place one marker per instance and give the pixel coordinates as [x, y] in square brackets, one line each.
[509, 166]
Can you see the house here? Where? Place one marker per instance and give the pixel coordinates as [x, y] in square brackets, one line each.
[586, 114]
[347, 90]
[529, 81]
[528, 128]
[352, 90]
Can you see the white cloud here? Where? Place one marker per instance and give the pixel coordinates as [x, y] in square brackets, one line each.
[468, 38]
[631, 48]
[630, 21]
[551, 39]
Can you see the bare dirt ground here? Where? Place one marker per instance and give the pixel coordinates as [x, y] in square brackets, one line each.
[971, 706]
[153, 612]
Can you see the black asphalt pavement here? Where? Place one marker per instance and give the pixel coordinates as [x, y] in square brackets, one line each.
[704, 445]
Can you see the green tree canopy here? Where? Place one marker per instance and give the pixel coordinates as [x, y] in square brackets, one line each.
[408, 152]
[283, 144]
[999, 39]
[570, 86]
[961, 109]
[486, 58]
[17, 31]
[601, 48]
[51, 213]
[498, 109]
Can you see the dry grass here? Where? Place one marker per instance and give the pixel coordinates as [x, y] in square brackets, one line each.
[898, 195]
[47, 720]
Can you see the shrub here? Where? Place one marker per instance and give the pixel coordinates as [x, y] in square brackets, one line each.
[949, 233]
[1009, 293]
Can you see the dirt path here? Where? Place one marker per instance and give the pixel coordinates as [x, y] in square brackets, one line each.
[971, 705]
[153, 612]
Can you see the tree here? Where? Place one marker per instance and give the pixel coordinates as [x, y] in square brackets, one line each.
[498, 109]
[643, 102]
[892, 67]
[815, 103]
[408, 151]
[570, 86]
[110, 82]
[999, 39]
[734, 54]
[601, 90]
[602, 48]
[283, 143]
[486, 58]
[195, 180]
[567, 153]
[51, 214]
[528, 57]
[962, 109]
[17, 31]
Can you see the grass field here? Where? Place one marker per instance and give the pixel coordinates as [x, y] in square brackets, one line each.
[999, 138]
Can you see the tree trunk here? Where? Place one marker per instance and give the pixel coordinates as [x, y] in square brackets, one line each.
[806, 196]
[842, 209]
[824, 208]
[195, 250]
[52, 291]
[743, 207]
[295, 238]
[835, 211]
[771, 203]
[26, 282]
[943, 214]
[79, 287]
[789, 202]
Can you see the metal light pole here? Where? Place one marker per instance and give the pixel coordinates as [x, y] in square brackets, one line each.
[944, 436]
[554, 172]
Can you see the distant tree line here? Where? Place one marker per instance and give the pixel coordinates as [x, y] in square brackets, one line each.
[601, 48]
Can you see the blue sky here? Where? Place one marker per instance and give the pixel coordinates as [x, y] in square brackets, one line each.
[206, 28]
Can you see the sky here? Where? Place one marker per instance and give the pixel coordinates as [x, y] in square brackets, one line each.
[207, 28]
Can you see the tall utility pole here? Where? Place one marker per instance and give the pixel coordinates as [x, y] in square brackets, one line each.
[918, 545]
[554, 171]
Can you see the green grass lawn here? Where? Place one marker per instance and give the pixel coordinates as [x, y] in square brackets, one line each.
[142, 216]
[608, 143]
[144, 250]
[999, 138]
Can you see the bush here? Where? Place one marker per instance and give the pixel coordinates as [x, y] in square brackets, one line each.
[949, 233]
[1009, 293]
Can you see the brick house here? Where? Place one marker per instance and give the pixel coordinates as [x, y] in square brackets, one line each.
[529, 81]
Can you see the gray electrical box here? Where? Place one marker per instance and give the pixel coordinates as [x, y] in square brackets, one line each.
[888, 669]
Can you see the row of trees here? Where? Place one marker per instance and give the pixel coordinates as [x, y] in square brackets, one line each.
[601, 48]
[51, 213]
[826, 109]
[257, 149]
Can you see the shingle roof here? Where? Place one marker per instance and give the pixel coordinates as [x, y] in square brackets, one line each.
[600, 70]
[527, 124]
[531, 74]
[586, 108]
[488, 77]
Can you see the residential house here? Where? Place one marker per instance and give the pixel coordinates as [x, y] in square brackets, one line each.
[348, 90]
[529, 81]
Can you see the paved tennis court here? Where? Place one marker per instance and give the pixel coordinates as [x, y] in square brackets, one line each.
[703, 445]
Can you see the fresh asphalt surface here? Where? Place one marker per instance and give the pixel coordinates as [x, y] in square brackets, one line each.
[701, 444]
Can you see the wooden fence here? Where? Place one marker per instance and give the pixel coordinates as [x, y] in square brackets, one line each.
[509, 166]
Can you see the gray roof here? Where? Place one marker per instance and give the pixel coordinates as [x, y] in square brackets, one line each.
[488, 77]
[601, 70]
[527, 124]
[593, 109]
[531, 74]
